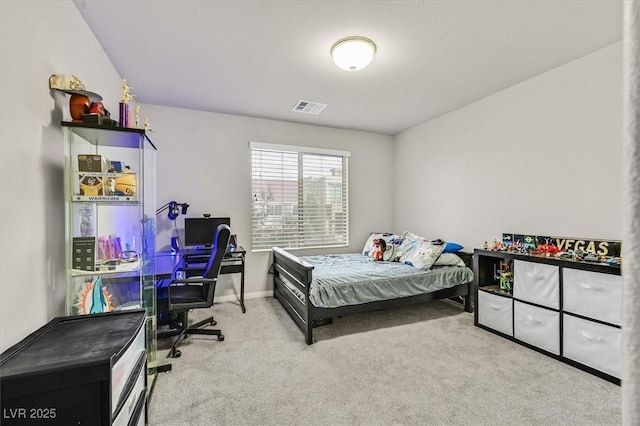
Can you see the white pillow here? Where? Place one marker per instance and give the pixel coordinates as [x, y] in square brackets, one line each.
[449, 259]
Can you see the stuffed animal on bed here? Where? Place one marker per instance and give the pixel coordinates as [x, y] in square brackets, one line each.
[378, 249]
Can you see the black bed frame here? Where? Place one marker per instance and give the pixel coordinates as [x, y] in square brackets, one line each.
[300, 274]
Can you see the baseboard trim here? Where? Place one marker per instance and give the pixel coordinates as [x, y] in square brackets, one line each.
[236, 297]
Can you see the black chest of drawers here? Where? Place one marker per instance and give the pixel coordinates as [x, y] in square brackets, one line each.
[78, 370]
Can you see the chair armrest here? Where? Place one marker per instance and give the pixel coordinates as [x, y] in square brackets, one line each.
[193, 281]
[200, 268]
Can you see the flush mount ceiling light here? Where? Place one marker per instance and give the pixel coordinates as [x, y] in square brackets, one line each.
[353, 53]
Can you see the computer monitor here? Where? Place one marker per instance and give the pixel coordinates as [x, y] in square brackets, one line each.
[199, 231]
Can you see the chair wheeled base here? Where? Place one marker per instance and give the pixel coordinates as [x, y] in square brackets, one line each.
[183, 332]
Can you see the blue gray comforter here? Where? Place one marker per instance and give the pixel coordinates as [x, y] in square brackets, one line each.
[351, 279]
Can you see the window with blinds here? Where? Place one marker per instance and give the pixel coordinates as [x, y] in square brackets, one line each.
[299, 197]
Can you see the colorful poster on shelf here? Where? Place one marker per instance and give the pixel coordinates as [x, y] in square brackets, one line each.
[612, 248]
[105, 186]
[93, 298]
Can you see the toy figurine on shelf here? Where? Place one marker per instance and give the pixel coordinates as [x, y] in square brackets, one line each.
[547, 249]
[126, 97]
[504, 276]
[591, 257]
[612, 261]
[564, 255]
[506, 282]
[486, 245]
[137, 109]
[126, 92]
[578, 255]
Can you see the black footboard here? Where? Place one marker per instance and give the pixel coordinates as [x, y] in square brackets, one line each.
[291, 281]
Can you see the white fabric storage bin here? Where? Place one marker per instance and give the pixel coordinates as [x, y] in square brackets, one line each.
[596, 345]
[495, 312]
[592, 294]
[537, 326]
[536, 283]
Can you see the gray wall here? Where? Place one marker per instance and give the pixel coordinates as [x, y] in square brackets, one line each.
[39, 38]
[204, 160]
[543, 157]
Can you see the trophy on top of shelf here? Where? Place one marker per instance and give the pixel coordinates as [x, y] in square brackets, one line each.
[127, 96]
[126, 119]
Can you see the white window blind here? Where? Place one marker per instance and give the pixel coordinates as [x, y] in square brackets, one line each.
[299, 197]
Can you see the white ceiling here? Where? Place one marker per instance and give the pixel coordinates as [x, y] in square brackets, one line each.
[259, 58]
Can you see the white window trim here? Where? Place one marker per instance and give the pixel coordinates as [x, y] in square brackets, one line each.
[294, 148]
[306, 150]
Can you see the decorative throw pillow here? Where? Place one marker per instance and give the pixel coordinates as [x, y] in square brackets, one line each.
[449, 259]
[451, 247]
[389, 238]
[409, 243]
[423, 255]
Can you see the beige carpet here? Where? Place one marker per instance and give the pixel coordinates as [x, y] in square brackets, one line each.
[420, 365]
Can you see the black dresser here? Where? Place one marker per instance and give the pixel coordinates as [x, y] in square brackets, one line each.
[77, 370]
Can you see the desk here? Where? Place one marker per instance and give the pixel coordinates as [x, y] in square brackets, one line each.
[233, 263]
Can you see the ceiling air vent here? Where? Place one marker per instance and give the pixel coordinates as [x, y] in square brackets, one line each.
[307, 107]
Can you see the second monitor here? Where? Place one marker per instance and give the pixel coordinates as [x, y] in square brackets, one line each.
[199, 231]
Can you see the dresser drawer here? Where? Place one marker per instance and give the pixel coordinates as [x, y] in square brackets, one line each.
[495, 312]
[592, 294]
[537, 326]
[536, 283]
[127, 411]
[124, 368]
[596, 345]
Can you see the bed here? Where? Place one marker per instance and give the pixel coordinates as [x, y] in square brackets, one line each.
[315, 289]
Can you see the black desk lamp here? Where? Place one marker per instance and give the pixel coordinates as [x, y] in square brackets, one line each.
[174, 208]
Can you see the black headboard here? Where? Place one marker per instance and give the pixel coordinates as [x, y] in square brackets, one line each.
[466, 257]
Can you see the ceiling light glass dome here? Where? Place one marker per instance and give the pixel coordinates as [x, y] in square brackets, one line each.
[353, 53]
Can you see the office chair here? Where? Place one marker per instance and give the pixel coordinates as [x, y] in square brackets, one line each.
[195, 291]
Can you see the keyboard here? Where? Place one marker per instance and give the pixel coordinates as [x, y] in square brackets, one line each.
[200, 251]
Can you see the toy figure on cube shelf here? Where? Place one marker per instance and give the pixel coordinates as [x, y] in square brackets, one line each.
[506, 282]
[504, 276]
[497, 245]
